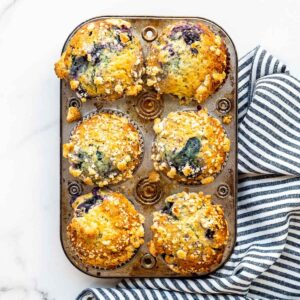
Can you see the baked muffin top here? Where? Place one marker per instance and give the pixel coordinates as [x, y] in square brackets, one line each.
[190, 146]
[187, 60]
[104, 149]
[103, 58]
[106, 230]
[190, 233]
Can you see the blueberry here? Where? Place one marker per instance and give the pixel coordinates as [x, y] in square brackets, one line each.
[80, 155]
[96, 52]
[72, 200]
[77, 166]
[191, 148]
[168, 208]
[209, 234]
[187, 156]
[81, 92]
[171, 52]
[125, 29]
[99, 155]
[118, 30]
[190, 36]
[190, 33]
[194, 50]
[79, 65]
[95, 191]
[89, 203]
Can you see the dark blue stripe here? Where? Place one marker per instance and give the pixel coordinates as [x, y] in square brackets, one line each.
[285, 78]
[271, 121]
[101, 291]
[263, 149]
[259, 64]
[276, 290]
[250, 119]
[272, 143]
[113, 293]
[272, 208]
[292, 260]
[253, 196]
[123, 293]
[283, 274]
[274, 101]
[268, 64]
[263, 219]
[268, 86]
[255, 202]
[244, 86]
[246, 63]
[251, 160]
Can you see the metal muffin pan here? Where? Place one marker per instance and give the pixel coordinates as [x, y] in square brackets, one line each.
[149, 197]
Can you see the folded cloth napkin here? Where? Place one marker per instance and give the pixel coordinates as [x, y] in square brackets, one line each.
[265, 263]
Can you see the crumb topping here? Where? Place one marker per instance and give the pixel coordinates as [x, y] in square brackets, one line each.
[106, 230]
[104, 149]
[190, 146]
[153, 176]
[227, 119]
[103, 58]
[190, 233]
[73, 114]
[187, 60]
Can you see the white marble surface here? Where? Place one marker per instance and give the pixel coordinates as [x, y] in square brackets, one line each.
[32, 263]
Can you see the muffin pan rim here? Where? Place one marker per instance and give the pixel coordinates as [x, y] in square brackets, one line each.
[234, 182]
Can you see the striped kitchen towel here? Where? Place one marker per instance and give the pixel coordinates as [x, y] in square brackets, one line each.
[265, 263]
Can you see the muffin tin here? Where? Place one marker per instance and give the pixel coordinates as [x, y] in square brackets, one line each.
[149, 196]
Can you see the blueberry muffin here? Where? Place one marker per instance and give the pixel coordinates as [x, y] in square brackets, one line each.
[190, 146]
[103, 58]
[104, 149]
[105, 230]
[190, 233]
[188, 60]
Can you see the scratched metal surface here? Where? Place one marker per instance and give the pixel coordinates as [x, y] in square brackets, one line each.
[146, 197]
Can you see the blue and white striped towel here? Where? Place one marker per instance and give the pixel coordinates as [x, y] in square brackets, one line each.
[266, 261]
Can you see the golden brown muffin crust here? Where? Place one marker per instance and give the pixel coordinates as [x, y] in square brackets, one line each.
[190, 233]
[190, 146]
[188, 60]
[106, 230]
[104, 149]
[103, 58]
